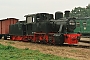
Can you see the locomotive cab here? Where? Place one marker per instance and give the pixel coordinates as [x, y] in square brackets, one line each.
[38, 23]
[39, 17]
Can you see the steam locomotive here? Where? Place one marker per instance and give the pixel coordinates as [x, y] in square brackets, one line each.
[43, 28]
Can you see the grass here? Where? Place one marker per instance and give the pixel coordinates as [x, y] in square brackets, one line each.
[12, 53]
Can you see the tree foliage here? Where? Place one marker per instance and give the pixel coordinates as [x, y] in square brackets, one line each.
[88, 7]
[81, 12]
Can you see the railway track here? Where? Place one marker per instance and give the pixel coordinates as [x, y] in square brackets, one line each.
[79, 45]
[84, 43]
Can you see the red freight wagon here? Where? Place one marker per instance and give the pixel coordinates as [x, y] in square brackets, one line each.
[4, 26]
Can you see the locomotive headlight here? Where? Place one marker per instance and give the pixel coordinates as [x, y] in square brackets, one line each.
[71, 22]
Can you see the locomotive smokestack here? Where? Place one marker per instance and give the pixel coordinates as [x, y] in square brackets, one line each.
[51, 16]
[58, 15]
[67, 13]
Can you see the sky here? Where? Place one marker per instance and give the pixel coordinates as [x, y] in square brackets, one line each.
[19, 8]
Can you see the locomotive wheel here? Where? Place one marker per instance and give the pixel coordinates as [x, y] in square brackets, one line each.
[38, 41]
[50, 42]
[79, 38]
[32, 41]
[41, 42]
[44, 41]
[59, 39]
[29, 40]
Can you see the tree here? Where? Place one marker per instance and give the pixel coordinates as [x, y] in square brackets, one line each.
[80, 12]
[88, 7]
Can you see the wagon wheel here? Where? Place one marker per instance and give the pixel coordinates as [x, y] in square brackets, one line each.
[0, 36]
[5, 37]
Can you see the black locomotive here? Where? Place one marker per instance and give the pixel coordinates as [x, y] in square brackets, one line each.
[43, 28]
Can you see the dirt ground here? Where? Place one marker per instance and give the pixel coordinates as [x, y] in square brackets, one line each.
[64, 51]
